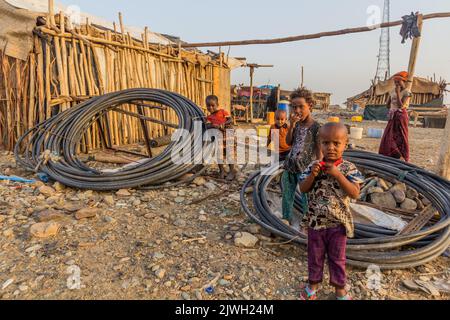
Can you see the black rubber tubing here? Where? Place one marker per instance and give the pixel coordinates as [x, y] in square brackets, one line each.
[63, 133]
[372, 245]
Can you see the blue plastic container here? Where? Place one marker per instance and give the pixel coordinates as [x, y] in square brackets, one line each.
[285, 106]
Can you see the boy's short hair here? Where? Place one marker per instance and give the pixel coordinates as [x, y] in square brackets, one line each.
[334, 125]
[212, 98]
[280, 112]
[305, 94]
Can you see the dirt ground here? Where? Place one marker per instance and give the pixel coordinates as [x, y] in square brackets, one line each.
[157, 245]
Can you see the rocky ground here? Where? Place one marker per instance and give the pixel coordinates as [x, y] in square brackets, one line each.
[190, 242]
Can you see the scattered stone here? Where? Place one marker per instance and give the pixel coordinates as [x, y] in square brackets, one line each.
[160, 273]
[8, 233]
[383, 184]
[23, 287]
[199, 181]
[58, 186]
[33, 248]
[412, 193]
[173, 194]
[245, 240]
[420, 205]
[87, 213]
[50, 215]
[254, 229]
[211, 186]
[72, 207]
[7, 283]
[158, 256]
[109, 200]
[137, 203]
[203, 218]
[44, 229]
[47, 191]
[185, 296]
[398, 186]
[385, 199]
[409, 205]
[179, 200]
[180, 223]
[399, 196]
[224, 283]
[123, 193]
[375, 190]
[108, 219]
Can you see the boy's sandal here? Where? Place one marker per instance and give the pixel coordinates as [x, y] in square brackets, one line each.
[344, 298]
[308, 294]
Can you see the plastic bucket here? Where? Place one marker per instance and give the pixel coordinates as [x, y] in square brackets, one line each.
[357, 119]
[271, 118]
[334, 119]
[375, 133]
[263, 131]
[356, 133]
[284, 106]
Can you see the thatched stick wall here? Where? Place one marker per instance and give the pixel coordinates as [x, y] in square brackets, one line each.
[71, 64]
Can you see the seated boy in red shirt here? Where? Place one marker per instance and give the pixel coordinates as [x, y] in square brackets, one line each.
[283, 129]
[220, 119]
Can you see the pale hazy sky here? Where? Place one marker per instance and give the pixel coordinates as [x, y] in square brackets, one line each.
[342, 65]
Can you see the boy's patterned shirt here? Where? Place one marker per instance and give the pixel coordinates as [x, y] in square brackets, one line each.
[304, 145]
[329, 206]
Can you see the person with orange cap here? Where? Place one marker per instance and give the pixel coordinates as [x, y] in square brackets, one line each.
[395, 142]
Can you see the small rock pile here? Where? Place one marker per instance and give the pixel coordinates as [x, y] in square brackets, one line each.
[393, 195]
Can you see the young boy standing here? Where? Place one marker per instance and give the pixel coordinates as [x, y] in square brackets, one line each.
[331, 184]
[282, 126]
[220, 119]
[302, 136]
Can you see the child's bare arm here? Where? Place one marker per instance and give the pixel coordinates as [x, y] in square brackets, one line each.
[229, 123]
[351, 189]
[307, 184]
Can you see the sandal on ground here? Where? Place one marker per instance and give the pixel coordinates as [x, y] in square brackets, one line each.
[344, 298]
[308, 294]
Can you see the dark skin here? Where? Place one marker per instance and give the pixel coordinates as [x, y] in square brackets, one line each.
[400, 85]
[333, 143]
[213, 107]
[302, 113]
[280, 121]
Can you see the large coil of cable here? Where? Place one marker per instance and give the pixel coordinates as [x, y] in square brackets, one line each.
[62, 134]
[372, 245]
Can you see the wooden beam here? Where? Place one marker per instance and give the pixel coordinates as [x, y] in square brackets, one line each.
[252, 72]
[413, 57]
[444, 157]
[310, 36]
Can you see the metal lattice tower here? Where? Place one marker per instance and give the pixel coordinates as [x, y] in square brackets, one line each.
[384, 57]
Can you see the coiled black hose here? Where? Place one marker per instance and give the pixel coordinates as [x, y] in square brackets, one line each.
[372, 245]
[62, 134]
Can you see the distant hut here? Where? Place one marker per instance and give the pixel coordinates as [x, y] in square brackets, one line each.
[427, 95]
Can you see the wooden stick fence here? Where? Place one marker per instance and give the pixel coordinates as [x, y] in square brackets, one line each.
[72, 64]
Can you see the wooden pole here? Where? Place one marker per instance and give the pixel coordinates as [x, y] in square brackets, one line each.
[303, 77]
[252, 72]
[444, 157]
[413, 58]
[311, 36]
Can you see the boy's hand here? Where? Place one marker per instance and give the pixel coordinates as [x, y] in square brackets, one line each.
[332, 170]
[316, 168]
[294, 119]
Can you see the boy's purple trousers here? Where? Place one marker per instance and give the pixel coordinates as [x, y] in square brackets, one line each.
[332, 243]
